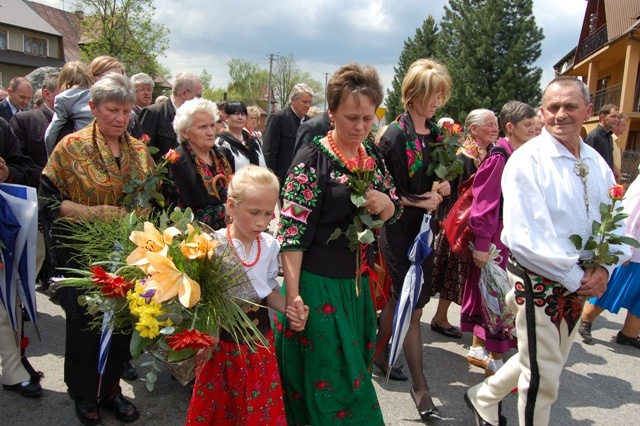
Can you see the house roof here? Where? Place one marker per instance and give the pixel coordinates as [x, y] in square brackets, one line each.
[16, 13]
[622, 16]
[66, 23]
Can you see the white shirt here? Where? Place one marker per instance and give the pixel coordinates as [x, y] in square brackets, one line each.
[544, 204]
[263, 275]
[631, 204]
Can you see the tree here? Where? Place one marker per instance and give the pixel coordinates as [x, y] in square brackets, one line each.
[489, 47]
[286, 74]
[422, 45]
[248, 82]
[125, 30]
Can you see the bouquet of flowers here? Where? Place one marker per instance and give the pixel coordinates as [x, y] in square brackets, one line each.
[444, 162]
[360, 231]
[604, 232]
[176, 288]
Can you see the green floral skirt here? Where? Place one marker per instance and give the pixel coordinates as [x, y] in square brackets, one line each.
[325, 368]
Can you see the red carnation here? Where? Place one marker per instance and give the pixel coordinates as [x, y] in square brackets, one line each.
[112, 286]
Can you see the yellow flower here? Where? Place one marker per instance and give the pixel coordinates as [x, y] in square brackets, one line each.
[198, 245]
[148, 326]
[168, 282]
[149, 240]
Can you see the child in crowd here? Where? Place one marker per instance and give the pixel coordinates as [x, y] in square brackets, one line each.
[239, 384]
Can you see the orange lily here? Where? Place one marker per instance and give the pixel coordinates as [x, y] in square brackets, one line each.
[149, 240]
[198, 245]
[168, 281]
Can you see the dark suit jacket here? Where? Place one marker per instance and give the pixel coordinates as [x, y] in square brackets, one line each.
[315, 126]
[29, 127]
[279, 139]
[21, 167]
[5, 110]
[157, 123]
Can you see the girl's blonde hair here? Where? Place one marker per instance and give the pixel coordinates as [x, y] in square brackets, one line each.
[248, 178]
[74, 74]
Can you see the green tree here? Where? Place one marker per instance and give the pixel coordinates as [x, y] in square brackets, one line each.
[125, 30]
[248, 82]
[422, 45]
[286, 74]
[489, 47]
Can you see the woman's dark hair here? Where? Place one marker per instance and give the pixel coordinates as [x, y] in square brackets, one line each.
[235, 106]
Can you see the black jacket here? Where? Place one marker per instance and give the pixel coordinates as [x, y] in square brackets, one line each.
[279, 139]
[21, 168]
[157, 122]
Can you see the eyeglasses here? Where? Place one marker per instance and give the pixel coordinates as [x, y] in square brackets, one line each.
[141, 90]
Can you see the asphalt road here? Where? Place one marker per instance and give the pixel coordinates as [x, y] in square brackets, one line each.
[600, 385]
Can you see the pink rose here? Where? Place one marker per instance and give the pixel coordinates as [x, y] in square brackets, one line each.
[307, 194]
[368, 164]
[302, 179]
[352, 163]
[292, 231]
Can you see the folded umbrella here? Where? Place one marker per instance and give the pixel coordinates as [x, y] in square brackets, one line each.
[419, 251]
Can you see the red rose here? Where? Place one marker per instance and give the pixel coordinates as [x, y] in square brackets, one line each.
[616, 192]
[307, 194]
[172, 156]
[145, 138]
[292, 230]
[368, 164]
[456, 129]
[320, 385]
[302, 179]
[352, 163]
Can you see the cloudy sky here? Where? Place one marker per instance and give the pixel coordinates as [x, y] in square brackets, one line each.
[322, 34]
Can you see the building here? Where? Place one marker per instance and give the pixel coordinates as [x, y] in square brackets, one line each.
[27, 41]
[607, 58]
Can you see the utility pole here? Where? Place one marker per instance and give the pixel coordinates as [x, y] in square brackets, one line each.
[272, 57]
[326, 77]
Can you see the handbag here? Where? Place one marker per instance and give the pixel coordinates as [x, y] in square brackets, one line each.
[455, 225]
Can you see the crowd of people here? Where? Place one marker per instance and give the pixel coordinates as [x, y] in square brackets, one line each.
[534, 183]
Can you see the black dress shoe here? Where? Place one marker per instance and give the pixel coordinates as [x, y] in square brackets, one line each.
[626, 340]
[394, 374]
[129, 372]
[30, 389]
[120, 406]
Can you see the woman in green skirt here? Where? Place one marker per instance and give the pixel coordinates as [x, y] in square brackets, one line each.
[325, 369]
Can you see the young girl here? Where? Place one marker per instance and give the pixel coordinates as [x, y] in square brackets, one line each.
[238, 385]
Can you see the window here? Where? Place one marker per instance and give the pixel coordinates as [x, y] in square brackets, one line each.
[3, 40]
[35, 46]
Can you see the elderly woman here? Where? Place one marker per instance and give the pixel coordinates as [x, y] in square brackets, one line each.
[253, 118]
[143, 86]
[84, 179]
[324, 369]
[518, 125]
[450, 270]
[405, 146]
[200, 177]
[241, 148]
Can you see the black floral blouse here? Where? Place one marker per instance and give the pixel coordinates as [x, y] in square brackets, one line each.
[316, 200]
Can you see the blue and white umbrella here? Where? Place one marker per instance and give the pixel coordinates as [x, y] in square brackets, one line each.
[18, 231]
[418, 252]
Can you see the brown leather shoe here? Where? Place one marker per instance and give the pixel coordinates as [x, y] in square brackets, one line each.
[478, 362]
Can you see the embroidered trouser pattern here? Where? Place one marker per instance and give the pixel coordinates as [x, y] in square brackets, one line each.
[547, 319]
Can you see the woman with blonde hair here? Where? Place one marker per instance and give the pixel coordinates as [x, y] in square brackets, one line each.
[406, 149]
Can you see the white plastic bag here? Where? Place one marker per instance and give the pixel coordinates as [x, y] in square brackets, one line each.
[494, 285]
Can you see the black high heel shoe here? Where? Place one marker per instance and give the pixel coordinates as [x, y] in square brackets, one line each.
[426, 415]
[394, 374]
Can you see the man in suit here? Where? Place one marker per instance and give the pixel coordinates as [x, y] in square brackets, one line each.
[19, 95]
[279, 137]
[143, 85]
[315, 126]
[30, 126]
[157, 119]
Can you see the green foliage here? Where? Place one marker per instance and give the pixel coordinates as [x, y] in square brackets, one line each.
[248, 81]
[489, 48]
[125, 30]
[422, 45]
[286, 74]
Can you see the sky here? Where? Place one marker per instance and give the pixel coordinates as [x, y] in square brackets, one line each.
[323, 34]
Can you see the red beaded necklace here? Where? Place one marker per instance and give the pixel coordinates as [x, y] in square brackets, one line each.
[246, 264]
[361, 152]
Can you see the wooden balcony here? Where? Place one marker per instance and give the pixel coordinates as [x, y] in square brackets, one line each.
[592, 43]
